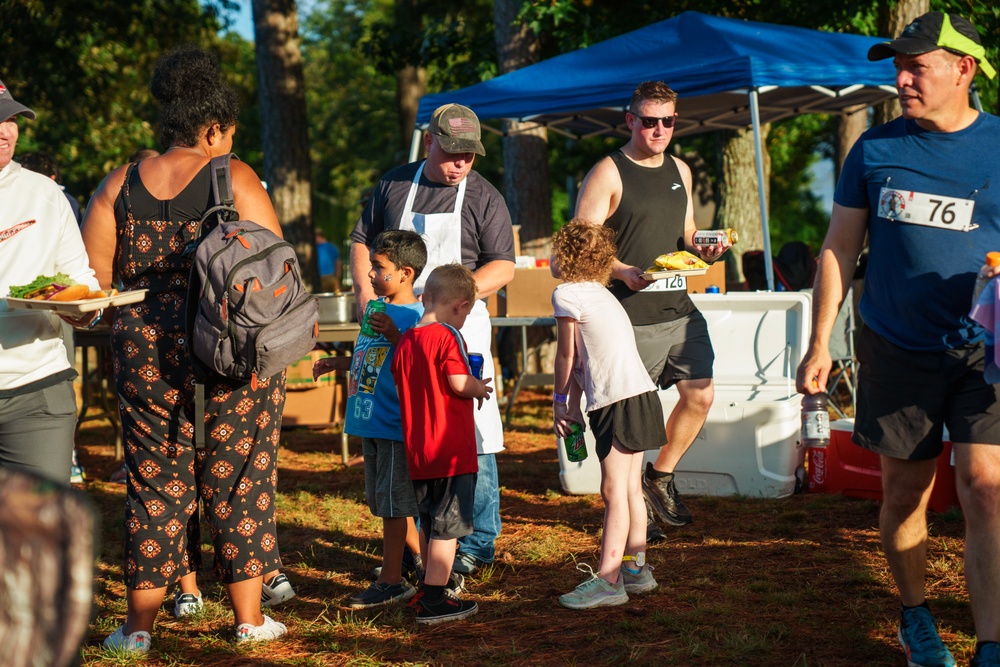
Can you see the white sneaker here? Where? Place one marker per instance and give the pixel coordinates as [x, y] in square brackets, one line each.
[137, 642]
[278, 591]
[187, 604]
[266, 631]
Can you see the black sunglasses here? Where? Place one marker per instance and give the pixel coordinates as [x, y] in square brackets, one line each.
[649, 122]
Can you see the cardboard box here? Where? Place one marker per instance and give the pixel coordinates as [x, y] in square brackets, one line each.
[529, 294]
[311, 402]
[716, 275]
[854, 471]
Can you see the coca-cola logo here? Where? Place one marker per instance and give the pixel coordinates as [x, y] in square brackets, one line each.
[817, 467]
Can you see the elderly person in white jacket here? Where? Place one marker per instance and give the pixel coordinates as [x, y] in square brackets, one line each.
[38, 236]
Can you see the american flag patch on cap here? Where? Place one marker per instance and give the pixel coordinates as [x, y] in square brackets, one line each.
[461, 125]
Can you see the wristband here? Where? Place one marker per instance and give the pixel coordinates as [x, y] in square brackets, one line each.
[560, 398]
[93, 322]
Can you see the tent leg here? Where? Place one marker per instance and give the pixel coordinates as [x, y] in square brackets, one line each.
[759, 157]
[415, 145]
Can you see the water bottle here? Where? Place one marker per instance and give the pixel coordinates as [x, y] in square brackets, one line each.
[815, 421]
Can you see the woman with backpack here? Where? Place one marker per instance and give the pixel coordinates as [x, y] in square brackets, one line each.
[138, 231]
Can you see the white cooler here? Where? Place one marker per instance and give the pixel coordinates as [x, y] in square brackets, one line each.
[750, 442]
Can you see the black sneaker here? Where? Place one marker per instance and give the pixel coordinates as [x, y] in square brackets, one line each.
[379, 594]
[449, 608]
[662, 496]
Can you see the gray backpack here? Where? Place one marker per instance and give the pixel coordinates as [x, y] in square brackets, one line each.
[249, 315]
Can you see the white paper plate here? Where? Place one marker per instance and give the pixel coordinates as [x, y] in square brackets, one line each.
[82, 306]
[661, 275]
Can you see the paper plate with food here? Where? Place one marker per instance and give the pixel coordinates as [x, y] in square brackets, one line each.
[63, 294]
[681, 263]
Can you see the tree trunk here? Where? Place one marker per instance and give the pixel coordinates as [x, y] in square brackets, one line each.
[411, 81]
[850, 126]
[739, 205]
[526, 184]
[287, 167]
[892, 20]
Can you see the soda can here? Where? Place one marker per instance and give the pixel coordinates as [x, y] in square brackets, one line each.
[476, 364]
[712, 289]
[576, 446]
[374, 306]
[720, 237]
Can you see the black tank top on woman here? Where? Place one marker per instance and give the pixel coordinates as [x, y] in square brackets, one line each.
[648, 222]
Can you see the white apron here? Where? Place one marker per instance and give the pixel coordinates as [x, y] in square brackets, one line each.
[442, 233]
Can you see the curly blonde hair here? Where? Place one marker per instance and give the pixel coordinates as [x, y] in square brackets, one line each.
[584, 252]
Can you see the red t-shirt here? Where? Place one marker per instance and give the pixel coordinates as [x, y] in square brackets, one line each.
[438, 426]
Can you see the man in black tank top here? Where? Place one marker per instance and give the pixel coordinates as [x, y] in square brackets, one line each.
[644, 195]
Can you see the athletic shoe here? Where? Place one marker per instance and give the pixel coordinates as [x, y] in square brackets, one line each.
[379, 594]
[594, 592]
[265, 632]
[77, 475]
[456, 582]
[919, 637]
[654, 533]
[987, 655]
[186, 604]
[465, 563]
[449, 608]
[119, 476]
[639, 583]
[138, 642]
[277, 591]
[662, 496]
[413, 567]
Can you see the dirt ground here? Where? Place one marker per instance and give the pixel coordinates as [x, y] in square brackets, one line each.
[793, 581]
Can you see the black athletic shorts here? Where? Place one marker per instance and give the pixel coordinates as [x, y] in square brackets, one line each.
[446, 505]
[636, 422]
[905, 399]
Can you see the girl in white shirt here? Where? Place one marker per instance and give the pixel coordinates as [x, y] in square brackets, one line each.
[596, 356]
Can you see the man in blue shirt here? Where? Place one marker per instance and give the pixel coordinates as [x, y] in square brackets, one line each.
[919, 189]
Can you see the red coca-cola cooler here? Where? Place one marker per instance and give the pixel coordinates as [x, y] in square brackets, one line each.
[850, 470]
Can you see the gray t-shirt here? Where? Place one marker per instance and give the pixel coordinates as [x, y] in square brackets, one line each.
[487, 234]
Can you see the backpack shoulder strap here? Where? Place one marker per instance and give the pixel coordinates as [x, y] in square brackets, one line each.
[222, 193]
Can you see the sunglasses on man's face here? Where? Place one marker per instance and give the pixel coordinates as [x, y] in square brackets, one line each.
[649, 122]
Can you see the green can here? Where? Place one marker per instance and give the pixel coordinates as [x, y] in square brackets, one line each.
[374, 306]
[576, 446]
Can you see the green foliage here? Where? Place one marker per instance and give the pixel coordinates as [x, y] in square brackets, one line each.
[84, 67]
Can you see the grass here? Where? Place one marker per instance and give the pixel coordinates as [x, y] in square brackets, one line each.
[792, 582]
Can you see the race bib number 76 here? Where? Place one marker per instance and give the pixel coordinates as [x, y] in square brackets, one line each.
[920, 208]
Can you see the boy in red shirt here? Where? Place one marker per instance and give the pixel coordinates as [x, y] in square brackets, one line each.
[436, 389]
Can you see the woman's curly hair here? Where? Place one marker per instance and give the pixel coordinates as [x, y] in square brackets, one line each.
[188, 84]
[584, 252]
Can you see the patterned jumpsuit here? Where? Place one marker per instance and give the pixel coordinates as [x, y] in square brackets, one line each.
[235, 475]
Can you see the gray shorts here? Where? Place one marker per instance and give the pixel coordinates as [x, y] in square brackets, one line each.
[677, 350]
[446, 506]
[906, 398]
[388, 489]
[36, 431]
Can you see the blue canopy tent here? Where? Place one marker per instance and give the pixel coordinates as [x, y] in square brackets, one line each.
[728, 73]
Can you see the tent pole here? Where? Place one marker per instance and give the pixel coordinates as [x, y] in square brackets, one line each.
[758, 149]
[974, 94]
[415, 145]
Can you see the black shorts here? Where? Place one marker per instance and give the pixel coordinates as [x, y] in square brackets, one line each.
[905, 399]
[446, 505]
[636, 422]
[676, 350]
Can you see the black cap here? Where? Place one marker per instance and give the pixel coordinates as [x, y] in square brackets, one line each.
[9, 107]
[932, 31]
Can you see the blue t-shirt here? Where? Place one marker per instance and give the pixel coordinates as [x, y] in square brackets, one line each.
[327, 255]
[919, 280]
[372, 404]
